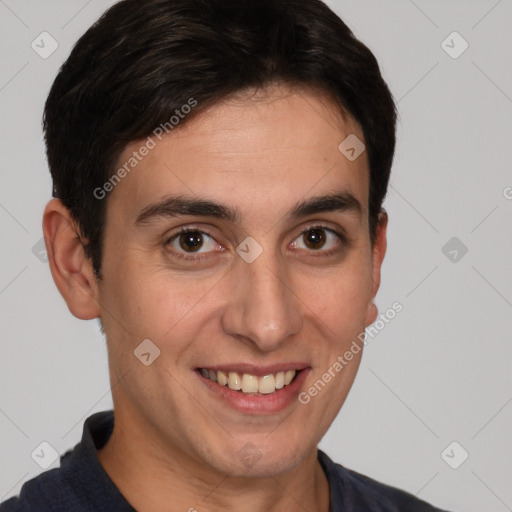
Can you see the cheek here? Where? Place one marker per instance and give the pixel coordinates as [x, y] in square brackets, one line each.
[169, 308]
[342, 301]
[153, 310]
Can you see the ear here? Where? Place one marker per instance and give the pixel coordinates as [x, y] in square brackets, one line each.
[71, 268]
[378, 253]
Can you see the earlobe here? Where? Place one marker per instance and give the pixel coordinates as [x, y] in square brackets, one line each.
[371, 314]
[70, 267]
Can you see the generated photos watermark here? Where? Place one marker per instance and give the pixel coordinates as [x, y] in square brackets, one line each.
[343, 360]
[144, 150]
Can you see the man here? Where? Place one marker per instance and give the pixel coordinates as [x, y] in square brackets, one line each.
[219, 169]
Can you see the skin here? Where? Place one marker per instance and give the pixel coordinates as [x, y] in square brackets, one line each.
[174, 441]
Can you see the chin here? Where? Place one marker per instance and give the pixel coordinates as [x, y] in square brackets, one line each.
[259, 458]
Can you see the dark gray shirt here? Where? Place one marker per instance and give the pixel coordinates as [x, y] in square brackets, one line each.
[81, 484]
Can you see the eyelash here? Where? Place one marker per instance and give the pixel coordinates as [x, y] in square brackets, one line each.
[206, 255]
[183, 256]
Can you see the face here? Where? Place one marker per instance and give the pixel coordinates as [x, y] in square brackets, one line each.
[240, 247]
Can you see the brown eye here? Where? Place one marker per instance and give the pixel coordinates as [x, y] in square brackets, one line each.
[314, 238]
[191, 241]
[319, 239]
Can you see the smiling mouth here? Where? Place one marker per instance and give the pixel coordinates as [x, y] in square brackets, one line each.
[251, 384]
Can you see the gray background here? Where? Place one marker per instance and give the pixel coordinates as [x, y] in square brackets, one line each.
[437, 373]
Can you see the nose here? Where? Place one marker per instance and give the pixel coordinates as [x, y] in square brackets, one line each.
[263, 309]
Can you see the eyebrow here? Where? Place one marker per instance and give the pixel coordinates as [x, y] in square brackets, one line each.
[342, 201]
[172, 206]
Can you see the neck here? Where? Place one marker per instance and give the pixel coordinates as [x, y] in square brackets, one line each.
[150, 478]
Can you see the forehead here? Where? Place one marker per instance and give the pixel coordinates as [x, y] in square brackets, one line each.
[256, 151]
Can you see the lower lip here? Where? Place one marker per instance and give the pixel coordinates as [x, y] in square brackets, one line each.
[258, 404]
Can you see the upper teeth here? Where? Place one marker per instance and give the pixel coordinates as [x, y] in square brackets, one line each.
[248, 383]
